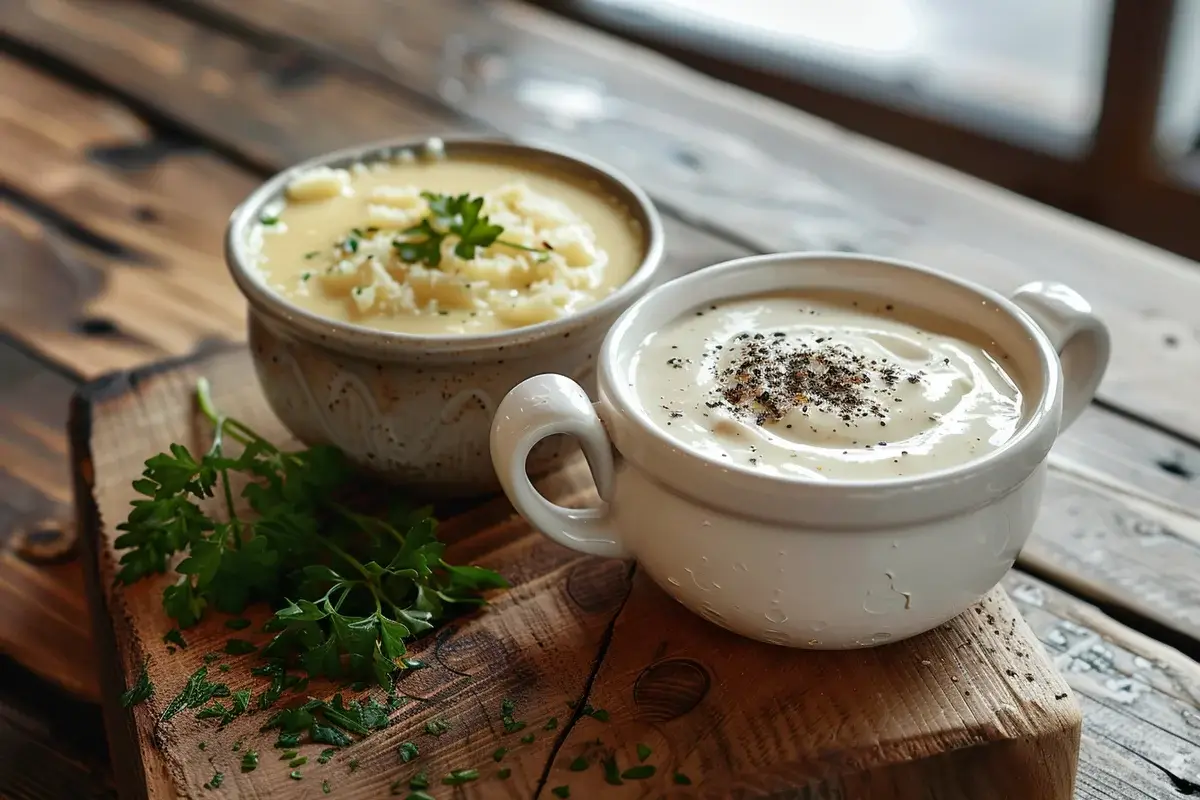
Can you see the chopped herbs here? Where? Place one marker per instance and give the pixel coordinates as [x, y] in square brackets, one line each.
[348, 589]
[237, 623]
[249, 761]
[240, 647]
[196, 692]
[224, 668]
[504, 773]
[681, 780]
[268, 220]
[450, 215]
[527, 738]
[436, 727]
[353, 764]
[643, 752]
[174, 637]
[326, 754]
[298, 762]
[215, 781]
[141, 690]
[325, 787]
[237, 745]
[203, 745]
[408, 751]
[312, 254]
[640, 772]
[295, 775]
[507, 707]
[288, 755]
[612, 773]
[599, 714]
[579, 764]
[460, 776]
[551, 724]
[419, 781]
[561, 791]
[419, 795]
[211, 657]
[499, 753]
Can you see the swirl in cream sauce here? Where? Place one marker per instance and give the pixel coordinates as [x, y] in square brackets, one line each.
[827, 385]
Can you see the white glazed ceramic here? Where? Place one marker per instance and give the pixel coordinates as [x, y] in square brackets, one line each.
[807, 563]
[417, 409]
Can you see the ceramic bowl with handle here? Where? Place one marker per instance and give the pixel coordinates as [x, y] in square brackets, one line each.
[805, 562]
[416, 409]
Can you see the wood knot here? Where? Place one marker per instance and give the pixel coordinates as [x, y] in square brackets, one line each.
[47, 541]
[598, 584]
[669, 689]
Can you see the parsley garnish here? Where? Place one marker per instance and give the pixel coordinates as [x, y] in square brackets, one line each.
[196, 692]
[250, 761]
[326, 754]
[353, 764]
[643, 751]
[295, 775]
[551, 724]
[419, 781]
[215, 781]
[312, 254]
[436, 727]
[561, 791]
[240, 647]
[141, 690]
[639, 772]
[460, 216]
[579, 764]
[298, 762]
[268, 220]
[507, 707]
[504, 773]
[325, 787]
[499, 753]
[527, 738]
[174, 637]
[408, 751]
[460, 776]
[612, 773]
[681, 780]
[348, 588]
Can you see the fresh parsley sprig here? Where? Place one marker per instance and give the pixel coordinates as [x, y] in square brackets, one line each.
[348, 588]
[461, 216]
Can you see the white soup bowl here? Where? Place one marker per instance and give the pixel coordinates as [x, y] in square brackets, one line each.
[809, 563]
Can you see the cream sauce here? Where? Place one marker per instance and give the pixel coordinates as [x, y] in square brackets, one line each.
[827, 386]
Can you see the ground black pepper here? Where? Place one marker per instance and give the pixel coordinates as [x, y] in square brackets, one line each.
[772, 376]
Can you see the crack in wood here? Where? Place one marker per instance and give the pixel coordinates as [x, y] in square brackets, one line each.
[577, 713]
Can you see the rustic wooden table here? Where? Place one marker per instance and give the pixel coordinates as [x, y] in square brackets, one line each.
[128, 130]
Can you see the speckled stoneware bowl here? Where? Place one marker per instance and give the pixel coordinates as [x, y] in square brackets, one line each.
[417, 409]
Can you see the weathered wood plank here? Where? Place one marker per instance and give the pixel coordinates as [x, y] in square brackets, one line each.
[1141, 699]
[51, 746]
[536, 644]
[770, 175]
[44, 620]
[135, 255]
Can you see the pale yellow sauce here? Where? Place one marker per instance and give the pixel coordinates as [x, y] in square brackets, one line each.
[302, 254]
[923, 394]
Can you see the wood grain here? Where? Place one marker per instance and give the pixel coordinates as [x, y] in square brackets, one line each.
[44, 620]
[1125, 577]
[132, 255]
[1140, 698]
[1011, 725]
[768, 175]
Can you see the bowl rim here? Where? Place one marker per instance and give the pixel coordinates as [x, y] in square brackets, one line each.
[263, 298]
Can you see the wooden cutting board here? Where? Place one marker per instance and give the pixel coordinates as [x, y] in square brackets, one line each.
[971, 710]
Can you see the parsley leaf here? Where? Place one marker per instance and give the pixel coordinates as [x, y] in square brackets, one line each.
[639, 772]
[460, 776]
[643, 751]
[196, 692]
[250, 761]
[408, 751]
[141, 690]
[174, 637]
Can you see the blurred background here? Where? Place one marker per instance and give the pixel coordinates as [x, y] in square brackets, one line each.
[1089, 105]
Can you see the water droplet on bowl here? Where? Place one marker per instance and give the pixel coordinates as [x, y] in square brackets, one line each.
[776, 616]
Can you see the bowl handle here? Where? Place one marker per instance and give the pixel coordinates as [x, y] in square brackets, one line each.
[1081, 339]
[539, 407]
